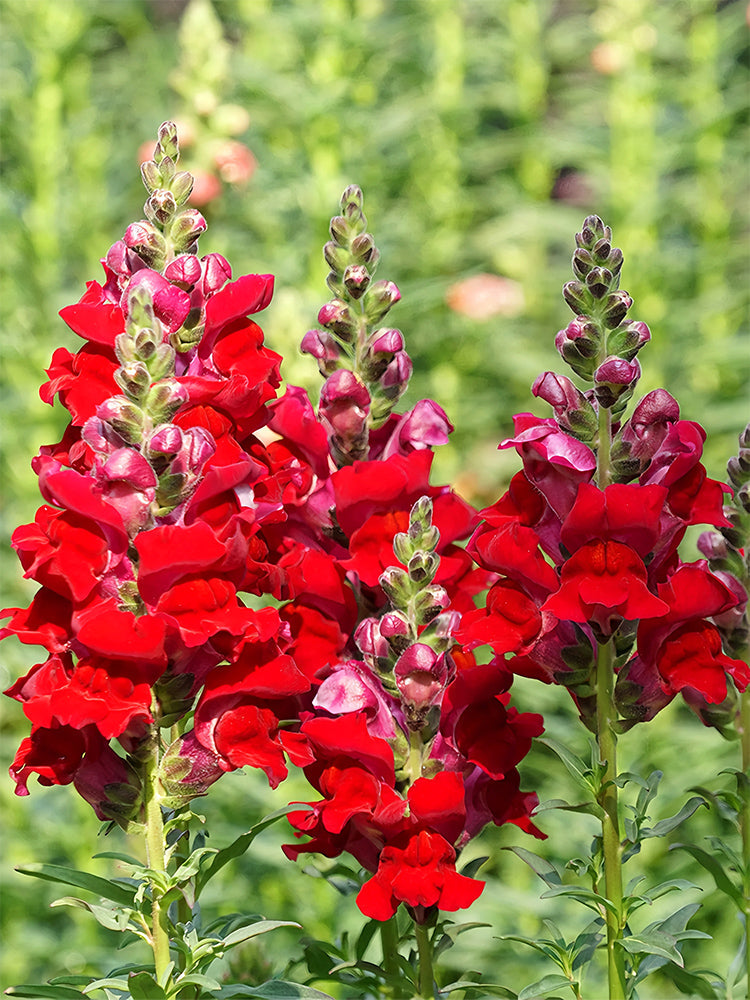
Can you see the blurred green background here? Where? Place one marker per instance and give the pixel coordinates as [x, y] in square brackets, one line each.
[482, 132]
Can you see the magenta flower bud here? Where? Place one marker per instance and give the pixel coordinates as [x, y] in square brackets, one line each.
[184, 271]
[166, 440]
[426, 425]
[321, 345]
[128, 465]
[145, 240]
[614, 379]
[395, 379]
[394, 623]
[356, 280]
[573, 411]
[343, 410]
[200, 446]
[616, 307]
[713, 545]
[378, 300]
[386, 342]
[124, 417]
[578, 345]
[186, 228]
[337, 317]
[429, 602]
[107, 782]
[421, 674]
[187, 770]
[370, 640]
[216, 272]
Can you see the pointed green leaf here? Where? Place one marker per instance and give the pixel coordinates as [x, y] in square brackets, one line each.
[586, 896]
[543, 987]
[116, 891]
[657, 943]
[592, 808]
[578, 767]
[488, 989]
[254, 930]
[695, 983]
[543, 868]
[713, 867]
[113, 919]
[665, 826]
[46, 992]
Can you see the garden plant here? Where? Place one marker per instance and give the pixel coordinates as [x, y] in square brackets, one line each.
[185, 481]
[297, 636]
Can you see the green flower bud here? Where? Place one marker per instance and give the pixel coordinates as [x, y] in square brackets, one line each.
[134, 380]
[152, 176]
[181, 185]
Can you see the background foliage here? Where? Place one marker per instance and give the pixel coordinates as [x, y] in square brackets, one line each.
[482, 131]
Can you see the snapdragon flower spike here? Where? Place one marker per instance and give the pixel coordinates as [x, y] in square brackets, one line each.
[353, 350]
[156, 504]
[585, 541]
[414, 757]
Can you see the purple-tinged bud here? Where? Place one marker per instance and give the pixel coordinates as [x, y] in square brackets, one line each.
[160, 207]
[129, 466]
[592, 231]
[134, 379]
[197, 447]
[395, 624]
[578, 345]
[576, 296]
[184, 271]
[713, 545]
[573, 411]
[216, 272]
[642, 435]
[187, 770]
[146, 241]
[395, 379]
[599, 281]
[379, 298]
[386, 341]
[107, 782]
[615, 378]
[167, 144]
[340, 230]
[582, 262]
[356, 280]
[421, 674]
[336, 257]
[396, 585]
[343, 410]
[426, 425]
[321, 345]
[614, 310]
[164, 399]
[430, 601]
[337, 317]
[626, 340]
[371, 641]
[124, 417]
[186, 228]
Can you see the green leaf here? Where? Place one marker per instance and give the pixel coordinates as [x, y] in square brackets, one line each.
[254, 930]
[543, 987]
[238, 847]
[116, 891]
[693, 983]
[472, 867]
[366, 935]
[113, 919]
[657, 943]
[488, 989]
[543, 868]
[713, 867]
[578, 767]
[665, 826]
[143, 986]
[451, 933]
[592, 808]
[119, 856]
[46, 992]
[275, 989]
[586, 896]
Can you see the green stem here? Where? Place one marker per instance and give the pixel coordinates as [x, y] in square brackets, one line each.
[424, 948]
[389, 940]
[744, 728]
[155, 854]
[611, 842]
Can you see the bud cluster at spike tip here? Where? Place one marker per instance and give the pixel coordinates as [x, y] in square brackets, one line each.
[587, 552]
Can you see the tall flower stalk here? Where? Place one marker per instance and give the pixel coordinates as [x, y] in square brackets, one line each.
[591, 592]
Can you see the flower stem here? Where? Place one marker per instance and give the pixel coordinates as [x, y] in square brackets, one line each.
[424, 947]
[611, 842]
[155, 854]
[389, 940]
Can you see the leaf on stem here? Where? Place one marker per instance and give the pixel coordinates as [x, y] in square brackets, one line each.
[108, 888]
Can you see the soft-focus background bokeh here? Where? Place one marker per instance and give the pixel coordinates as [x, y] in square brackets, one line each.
[482, 132]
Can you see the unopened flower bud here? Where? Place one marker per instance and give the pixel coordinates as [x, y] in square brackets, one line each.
[337, 317]
[379, 298]
[181, 185]
[340, 230]
[430, 601]
[184, 271]
[216, 272]
[582, 262]
[420, 676]
[160, 207]
[187, 770]
[343, 408]
[152, 177]
[396, 586]
[321, 345]
[626, 340]
[356, 280]
[578, 345]
[573, 411]
[164, 399]
[592, 231]
[614, 378]
[576, 296]
[599, 281]
[124, 417]
[146, 241]
[134, 379]
[615, 309]
[423, 566]
[335, 256]
[186, 228]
